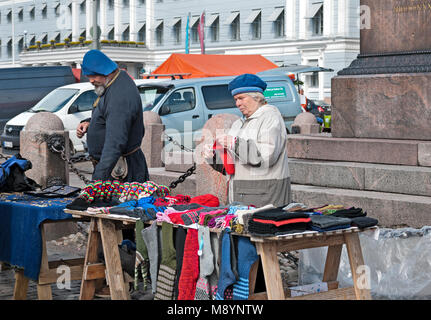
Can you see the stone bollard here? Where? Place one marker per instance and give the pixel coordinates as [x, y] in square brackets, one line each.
[153, 142]
[47, 167]
[305, 123]
[209, 180]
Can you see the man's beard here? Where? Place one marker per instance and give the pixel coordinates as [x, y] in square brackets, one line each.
[100, 90]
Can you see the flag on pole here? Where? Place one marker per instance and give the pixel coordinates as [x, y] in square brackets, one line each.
[187, 34]
[201, 32]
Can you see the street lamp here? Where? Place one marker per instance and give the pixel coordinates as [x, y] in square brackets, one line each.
[25, 39]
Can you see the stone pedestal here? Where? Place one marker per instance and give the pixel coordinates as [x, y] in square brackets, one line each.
[209, 180]
[153, 142]
[47, 167]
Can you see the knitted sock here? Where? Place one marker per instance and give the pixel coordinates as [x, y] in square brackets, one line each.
[247, 255]
[190, 269]
[233, 255]
[206, 264]
[141, 263]
[180, 238]
[167, 270]
[151, 241]
[227, 277]
[213, 278]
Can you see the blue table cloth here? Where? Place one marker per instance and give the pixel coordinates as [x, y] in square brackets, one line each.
[20, 236]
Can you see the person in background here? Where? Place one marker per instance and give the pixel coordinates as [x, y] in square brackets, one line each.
[257, 144]
[116, 127]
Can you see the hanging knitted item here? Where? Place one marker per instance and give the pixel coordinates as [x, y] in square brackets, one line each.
[141, 263]
[190, 269]
[168, 265]
[228, 161]
[247, 255]
[206, 264]
[180, 239]
[151, 241]
[227, 277]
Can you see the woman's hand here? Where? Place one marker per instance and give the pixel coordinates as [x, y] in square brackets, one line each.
[226, 141]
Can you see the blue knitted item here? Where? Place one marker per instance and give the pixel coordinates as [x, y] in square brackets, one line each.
[226, 277]
[247, 255]
[150, 210]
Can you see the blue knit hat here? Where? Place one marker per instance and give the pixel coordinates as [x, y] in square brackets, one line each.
[246, 83]
[95, 62]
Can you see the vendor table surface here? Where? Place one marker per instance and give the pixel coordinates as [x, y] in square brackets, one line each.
[267, 248]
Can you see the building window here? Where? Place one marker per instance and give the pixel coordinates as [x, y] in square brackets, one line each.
[32, 41]
[279, 26]
[9, 48]
[215, 30]
[32, 13]
[83, 34]
[235, 29]
[177, 32]
[21, 44]
[111, 34]
[20, 14]
[126, 3]
[44, 11]
[126, 34]
[194, 34]
[141, 34]
[57, 10]
[314, 77]
[45, 39]
[159, 34]
[256, 27]
[0, 48]
[141, 2]
[57, 38]
[9, 16]
[82, 7]
[317, 23]
[111, 4]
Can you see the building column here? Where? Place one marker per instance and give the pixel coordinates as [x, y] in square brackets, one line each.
[328, 18]
[291, 19]
[88, 18]
[149, 22]
[102, 10]
[75, 21]
[303, 21]
[117, 19]
[343, 18]
[132, 25]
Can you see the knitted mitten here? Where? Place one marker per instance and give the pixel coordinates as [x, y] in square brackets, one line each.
[206, 260]
[247, 255]
[190, 269]
[227, 277]
[167, 270]
[151, 241]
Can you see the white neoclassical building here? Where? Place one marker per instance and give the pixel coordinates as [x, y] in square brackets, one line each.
[143, 33]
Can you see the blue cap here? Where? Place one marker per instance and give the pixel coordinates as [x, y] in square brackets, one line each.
[95, 62]
[246, 83]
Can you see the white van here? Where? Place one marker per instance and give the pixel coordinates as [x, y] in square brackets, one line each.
[71, 103]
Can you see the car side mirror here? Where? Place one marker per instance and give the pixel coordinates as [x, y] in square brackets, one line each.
[73, 109]
[164, 110]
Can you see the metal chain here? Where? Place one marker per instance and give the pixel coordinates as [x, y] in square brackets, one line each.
[189, 171]
[4, 157]
[55, 143]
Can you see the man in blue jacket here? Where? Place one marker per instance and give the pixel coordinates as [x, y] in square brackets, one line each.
[116, 127]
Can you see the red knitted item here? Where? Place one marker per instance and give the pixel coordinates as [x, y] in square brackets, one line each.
[172, 200]
[228, 162]
[190, 268]
[208, 200]
[176, 217]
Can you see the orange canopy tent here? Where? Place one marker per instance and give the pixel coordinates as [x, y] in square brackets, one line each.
[213, 65]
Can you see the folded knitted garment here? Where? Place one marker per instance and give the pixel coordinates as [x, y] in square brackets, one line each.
[323, 222]
[350, 213]
[241, 212]
[278, 214]
[267, 229]
[208, 200]
[171, 200]
[315, 228]
[364, 222]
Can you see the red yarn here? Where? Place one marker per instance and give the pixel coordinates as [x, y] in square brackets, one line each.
[208, 200]
[190, 269]
[228, 162]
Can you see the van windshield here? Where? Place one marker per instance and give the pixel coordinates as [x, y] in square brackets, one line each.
[150, 96]
[55, 100]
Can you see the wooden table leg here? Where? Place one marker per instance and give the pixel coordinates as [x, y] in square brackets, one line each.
[332, 263]
[112, 260]
[356, 260]
[44, 291]
[88, 286]
[271, 270]
[21, 285]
